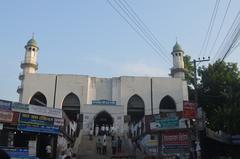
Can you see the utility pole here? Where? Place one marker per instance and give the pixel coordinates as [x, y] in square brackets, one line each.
[195, 74]
[196, 100]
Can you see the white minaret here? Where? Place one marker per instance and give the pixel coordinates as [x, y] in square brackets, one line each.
[29, 65]
[178, 64]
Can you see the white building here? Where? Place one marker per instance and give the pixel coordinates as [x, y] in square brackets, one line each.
[96, 101]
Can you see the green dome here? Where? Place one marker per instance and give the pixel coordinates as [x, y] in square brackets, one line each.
[32, 42]
[177, 47]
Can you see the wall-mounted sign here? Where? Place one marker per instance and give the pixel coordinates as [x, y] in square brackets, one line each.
[103, 102]
[189, 110]
[6, 105]
[176, 141]
[39, 110]
[6, 116]
[37, 123]
[168, 123]
[58, 122]
[19, 107]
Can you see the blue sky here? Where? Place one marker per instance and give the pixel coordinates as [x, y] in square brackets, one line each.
[90, 38]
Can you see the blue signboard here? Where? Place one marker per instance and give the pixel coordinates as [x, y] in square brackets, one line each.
[41, 129]
[18, 153]
[103, 102]
[5, 104]
[37, 123]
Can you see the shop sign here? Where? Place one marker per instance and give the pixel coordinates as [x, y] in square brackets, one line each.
[6, 105]
[58, 122]
[175, 138]
[17, 152]
[19, 107]
[46, 111]
[6, 116]
[168, 123]
[189, 110]
[37, 123]
[103, 102]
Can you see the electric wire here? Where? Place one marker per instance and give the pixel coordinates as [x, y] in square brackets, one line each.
[203, 48]
[145, 26]
[137, 30]
[230, 30]
[223, 20]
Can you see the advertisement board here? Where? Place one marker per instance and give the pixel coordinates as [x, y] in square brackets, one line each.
[46, 111]
[37, 123]
[6, 116]
[19, 107]
[189, 110]
[176, 141]
[168, 123]
[6, 105]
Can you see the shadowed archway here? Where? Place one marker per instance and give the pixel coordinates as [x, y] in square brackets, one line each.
[135, 108]
[38, 99]
[167, 104]
[71, 106]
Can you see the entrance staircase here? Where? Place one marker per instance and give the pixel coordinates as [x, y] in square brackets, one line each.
[86, 148]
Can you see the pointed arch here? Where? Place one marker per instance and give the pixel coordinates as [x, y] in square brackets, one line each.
[38, 99]
[167, 104]
[71, 106]
[135, 108]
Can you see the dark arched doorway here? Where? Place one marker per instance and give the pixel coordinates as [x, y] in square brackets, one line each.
[71, 106]
[38, 99]
[103, 118]
[135, 108]
[167, 104]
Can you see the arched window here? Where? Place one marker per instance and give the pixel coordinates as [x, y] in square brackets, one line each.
[38, 99]
[71, 106]
[167, 104]
[135, 108]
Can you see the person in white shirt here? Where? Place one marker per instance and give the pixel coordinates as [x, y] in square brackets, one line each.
[49, 151]
[96, 130]
[107, 130]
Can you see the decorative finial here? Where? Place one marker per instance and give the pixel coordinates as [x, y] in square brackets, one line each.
[33, 35]
[176, 39]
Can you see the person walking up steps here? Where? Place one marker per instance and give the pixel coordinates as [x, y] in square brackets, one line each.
[119, 145]
[99, 145]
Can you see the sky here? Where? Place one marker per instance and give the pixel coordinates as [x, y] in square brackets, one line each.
[88, 37]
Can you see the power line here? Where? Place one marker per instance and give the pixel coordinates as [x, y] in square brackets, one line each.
[146, 27]
[230, 30]
[138, 30]
[223, 20]
[208, 34]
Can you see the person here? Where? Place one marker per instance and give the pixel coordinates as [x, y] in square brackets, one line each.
[4, 155]
[62, 155]
[49, 151]
[104, 147]
[96, 130]
[107, 130]
[68, 151]
[134, 148]
[114, 146]
[90, 133]
[119, 145]
[102, 129]
[99, 145]
[74, 156]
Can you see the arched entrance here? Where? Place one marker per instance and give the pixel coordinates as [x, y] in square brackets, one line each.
[135, 108]
[38, 99]
[103, 118]
[71, 106]
[167, 104]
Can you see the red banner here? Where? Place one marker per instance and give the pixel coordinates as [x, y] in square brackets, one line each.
[189, 110]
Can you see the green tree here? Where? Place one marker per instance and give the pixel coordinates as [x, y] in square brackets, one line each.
[189, 75]
[219, 95]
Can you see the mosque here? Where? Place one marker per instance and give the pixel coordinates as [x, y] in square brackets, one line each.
[92, 101]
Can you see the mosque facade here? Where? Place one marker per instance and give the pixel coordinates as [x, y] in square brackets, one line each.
[93, 101]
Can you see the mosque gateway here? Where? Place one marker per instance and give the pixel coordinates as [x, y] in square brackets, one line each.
[93, 102]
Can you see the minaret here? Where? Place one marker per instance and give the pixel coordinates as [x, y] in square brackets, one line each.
[178, 64]
[29, 65]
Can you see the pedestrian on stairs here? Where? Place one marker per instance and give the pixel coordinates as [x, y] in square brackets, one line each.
[119, 145]
[90, 133]
[104, 147]
[99, 145]
[114, 146]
